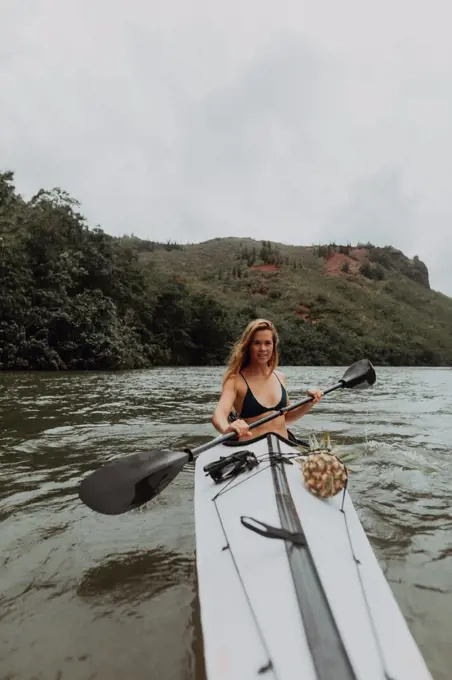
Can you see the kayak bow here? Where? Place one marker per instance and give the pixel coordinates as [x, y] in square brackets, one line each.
[312, 603]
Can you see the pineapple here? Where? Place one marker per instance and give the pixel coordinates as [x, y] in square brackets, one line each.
[324, 473]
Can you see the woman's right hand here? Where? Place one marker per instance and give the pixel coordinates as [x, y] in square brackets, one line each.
[241, 427]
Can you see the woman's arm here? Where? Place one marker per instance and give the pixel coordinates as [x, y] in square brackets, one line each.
[302, 410]
[297, 413]
[223, 409]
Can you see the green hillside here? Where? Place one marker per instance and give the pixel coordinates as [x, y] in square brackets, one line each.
[331, 302]
[76, 298]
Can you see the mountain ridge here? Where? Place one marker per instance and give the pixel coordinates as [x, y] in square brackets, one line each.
[378, 288]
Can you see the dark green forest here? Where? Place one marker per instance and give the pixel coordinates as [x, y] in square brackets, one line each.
[76, 298]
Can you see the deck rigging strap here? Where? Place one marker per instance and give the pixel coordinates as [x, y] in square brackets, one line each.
[232, 483]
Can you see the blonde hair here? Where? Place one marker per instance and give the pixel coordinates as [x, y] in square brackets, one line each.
[239, 356]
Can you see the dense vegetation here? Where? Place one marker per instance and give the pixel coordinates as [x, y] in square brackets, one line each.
[76, 298]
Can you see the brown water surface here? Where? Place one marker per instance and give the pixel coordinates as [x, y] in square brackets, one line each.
[89, 597]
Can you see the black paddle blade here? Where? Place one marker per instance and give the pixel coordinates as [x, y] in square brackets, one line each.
[360, 374]
[130, 482]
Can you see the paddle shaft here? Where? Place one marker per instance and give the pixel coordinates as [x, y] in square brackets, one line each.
[231, 435]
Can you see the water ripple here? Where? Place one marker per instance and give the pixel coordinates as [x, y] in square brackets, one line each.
[90, 592]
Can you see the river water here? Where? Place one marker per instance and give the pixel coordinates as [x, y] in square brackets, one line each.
[89, 597]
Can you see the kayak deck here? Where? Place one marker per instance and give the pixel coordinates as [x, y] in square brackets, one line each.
[314, 605]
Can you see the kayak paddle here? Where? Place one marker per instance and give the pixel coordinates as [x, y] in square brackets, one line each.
[127, 483]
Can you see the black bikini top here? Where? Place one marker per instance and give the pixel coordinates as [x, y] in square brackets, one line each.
[251, 406]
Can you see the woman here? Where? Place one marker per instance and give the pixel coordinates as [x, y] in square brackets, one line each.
[253, 386]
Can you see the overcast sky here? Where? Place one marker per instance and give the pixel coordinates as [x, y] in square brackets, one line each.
[300, 122]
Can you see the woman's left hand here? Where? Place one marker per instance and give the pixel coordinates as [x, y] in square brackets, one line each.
[315, 394]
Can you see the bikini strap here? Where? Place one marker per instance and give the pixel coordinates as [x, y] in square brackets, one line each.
[240, 373]
[278, 379]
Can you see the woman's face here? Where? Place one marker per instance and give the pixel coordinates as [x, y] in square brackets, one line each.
[261, 347]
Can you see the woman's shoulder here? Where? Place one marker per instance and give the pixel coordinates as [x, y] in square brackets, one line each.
[280, 375]
[234, 381]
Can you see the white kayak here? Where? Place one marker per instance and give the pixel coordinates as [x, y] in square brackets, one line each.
[305, 599]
